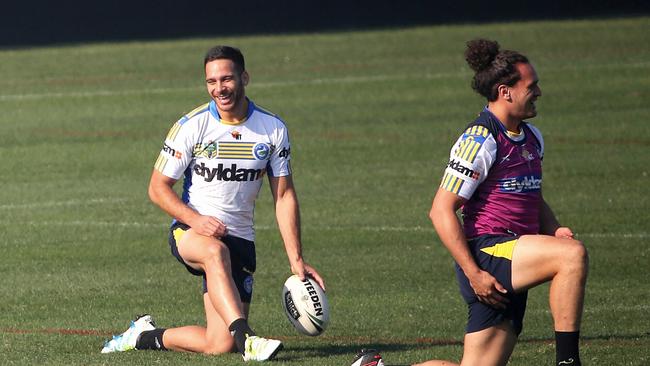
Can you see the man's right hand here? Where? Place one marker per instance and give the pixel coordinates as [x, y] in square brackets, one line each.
[489, 290]
[208, 226]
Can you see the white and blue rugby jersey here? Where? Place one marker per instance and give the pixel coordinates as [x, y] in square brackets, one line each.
[223, 163]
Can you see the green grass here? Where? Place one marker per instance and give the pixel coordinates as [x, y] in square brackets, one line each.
[372, 117]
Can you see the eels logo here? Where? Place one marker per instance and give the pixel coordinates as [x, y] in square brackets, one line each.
[261, 151]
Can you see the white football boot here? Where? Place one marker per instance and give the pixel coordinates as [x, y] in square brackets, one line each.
[126, 341]
[261, 349]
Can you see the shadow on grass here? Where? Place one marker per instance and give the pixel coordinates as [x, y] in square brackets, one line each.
[338, 346]
[302, 351]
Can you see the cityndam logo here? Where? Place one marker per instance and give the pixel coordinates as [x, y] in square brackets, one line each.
[230, 174]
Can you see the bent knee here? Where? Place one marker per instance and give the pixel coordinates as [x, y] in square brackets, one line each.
[218, 255]
[576, 254]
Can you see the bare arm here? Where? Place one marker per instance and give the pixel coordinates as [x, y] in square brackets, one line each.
[287, 214]
[162, 194]
[447, 225]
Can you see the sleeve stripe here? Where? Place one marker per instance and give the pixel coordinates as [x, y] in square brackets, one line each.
[457, 185]
[445, 180]
[451, 183]
[160, 163]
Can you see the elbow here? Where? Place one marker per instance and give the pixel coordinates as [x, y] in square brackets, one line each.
[153, 195]
[434, 213]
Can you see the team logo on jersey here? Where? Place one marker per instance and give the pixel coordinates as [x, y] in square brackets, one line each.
[527, 154]
[235, 134]
[521, 184]
[261, 151]
[208, 150]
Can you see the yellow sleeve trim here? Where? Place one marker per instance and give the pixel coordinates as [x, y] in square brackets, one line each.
[451, 183]
[160, 163]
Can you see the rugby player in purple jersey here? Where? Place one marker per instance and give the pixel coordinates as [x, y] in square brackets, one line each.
[509, 240]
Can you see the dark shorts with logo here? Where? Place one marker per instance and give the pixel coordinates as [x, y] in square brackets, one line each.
[493, 253]
[242, 260]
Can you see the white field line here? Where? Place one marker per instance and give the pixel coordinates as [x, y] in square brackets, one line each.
[104, 93]
[380, 229]
[76, 202]
[109, 200]
[596, 309]
[341, 80]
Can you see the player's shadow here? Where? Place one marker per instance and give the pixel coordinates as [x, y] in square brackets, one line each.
[301, 351]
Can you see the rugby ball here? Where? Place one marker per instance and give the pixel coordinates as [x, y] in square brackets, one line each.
[306, 305]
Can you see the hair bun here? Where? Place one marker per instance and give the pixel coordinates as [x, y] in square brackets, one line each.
[480, 53]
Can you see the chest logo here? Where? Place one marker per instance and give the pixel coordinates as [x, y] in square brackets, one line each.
[261, 151]
[527, 155]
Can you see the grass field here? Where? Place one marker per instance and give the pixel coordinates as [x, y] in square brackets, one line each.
[372, 117]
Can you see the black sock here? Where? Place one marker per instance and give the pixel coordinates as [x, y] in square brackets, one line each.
[566, 348]
[151, 339]
[239, 330]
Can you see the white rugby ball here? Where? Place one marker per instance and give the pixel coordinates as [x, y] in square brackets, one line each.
[306, 305]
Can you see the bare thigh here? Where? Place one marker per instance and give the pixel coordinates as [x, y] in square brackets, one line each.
[489, 347]
[538, 258]
[197, 249]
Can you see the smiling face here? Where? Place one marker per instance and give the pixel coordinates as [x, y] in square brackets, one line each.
[524, 93]
[226, 85]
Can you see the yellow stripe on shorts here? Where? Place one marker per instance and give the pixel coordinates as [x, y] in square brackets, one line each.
[178, 235]
[501, 250]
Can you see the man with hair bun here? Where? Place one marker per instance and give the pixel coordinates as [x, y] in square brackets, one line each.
[509, 239]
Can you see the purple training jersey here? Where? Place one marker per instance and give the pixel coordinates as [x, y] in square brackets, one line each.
[500, 175]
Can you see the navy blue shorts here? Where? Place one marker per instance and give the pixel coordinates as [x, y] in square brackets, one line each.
[242, 260]
[493, 253]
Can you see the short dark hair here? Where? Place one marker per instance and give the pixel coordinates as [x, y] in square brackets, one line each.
[493, 67]
[228, 53]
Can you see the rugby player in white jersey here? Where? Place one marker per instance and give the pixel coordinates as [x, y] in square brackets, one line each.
[223, 149]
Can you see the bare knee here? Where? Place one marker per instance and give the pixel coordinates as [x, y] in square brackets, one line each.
[576, 257]
[218, 258]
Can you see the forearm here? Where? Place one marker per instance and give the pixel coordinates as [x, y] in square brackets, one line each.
[548, 223]
[451, 234]
[288, 217]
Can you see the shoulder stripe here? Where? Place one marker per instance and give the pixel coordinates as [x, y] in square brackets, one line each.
[265, 111]
[471, 153]
[173, 132]
[471, 142]
[197, 110]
